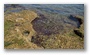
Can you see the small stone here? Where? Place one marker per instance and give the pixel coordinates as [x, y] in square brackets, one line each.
[26, 32]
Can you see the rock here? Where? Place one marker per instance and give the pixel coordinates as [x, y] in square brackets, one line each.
[77, 32]
[79, 19]
[17, 24]
[26, 32]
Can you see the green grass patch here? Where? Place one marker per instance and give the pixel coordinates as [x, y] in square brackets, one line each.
[18, 41]
[7, 26]
[6, 43]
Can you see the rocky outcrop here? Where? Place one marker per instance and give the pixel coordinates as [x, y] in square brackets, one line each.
[80, 30]
[79, 19]
[77, 32]
[39, 31]
[56, 40]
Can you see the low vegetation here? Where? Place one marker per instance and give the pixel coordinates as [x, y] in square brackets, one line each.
[28, 29]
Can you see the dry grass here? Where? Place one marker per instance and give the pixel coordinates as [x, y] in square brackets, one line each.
[16, 23]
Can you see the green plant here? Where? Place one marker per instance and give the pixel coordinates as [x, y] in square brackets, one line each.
[7, 43]
[18, 41]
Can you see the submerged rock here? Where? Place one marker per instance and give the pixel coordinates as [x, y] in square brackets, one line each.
[47, 25]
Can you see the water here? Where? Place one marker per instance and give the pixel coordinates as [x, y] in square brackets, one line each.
[62, 9]
[65, 9]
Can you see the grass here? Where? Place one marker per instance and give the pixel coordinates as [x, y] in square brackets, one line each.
[18, 41]
[8, 25]
[14, 39]
[64, 37]
[7, 43]
[58, 41]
